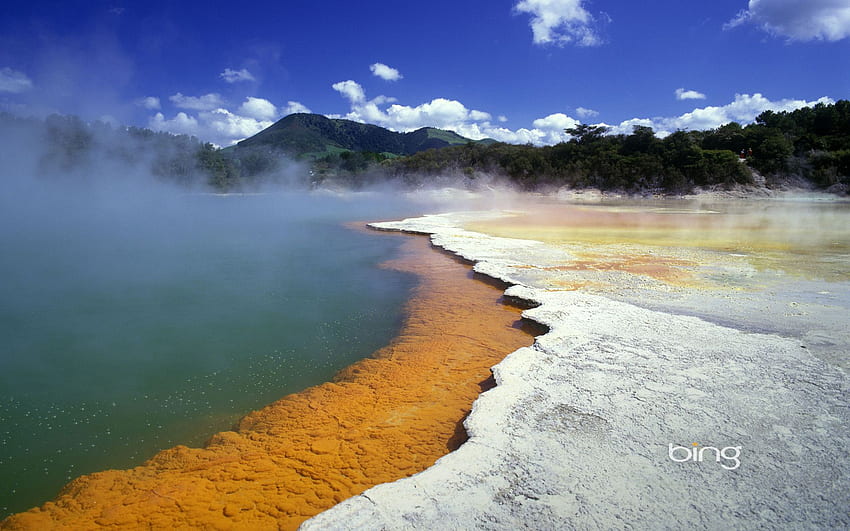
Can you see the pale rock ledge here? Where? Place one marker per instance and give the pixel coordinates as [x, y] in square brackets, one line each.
[576, 433]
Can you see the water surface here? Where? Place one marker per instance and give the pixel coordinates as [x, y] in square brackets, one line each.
[131, 323]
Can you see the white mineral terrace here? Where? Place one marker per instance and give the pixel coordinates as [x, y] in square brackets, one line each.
[645, 405]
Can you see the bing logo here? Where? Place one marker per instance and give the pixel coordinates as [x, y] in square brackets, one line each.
[728, 457]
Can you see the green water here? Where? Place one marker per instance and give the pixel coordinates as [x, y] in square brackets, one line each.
[131, 324]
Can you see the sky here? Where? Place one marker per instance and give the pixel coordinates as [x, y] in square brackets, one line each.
[518, 71]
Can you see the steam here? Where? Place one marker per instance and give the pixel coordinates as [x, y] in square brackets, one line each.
[136, 304]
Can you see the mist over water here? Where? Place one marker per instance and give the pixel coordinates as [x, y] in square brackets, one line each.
[135, 316]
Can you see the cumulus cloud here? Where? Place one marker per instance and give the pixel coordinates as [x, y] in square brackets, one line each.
[294, 107]
[743, 109]
[583, 112]
[682, 94]
[440, 112]
[519, 136]
[387, 73]
[207, 102]
[454, 116]
[14, 81]
[229, 127]
[219, 125]
[553, 127]
[351, 90]
[149, 102]
[235, 76]
[182, 124]
[827, 20]
[560, 22]
[479, 116]
[447, 114]
[555, 121]
[258, 108]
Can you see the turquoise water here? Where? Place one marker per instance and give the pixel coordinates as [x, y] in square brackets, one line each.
[134, 322]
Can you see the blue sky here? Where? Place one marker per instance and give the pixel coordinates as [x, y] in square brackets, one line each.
[515, 70]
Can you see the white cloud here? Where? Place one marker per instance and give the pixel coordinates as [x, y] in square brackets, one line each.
[293, 107]
[523, 135]
[439, 112]
[555, 121]
[235, 76]
[583, 112]
[447, 114]
[14, 81]
[228, 128]
[220, 125]
[207, 102]
[553, 127]
[385, 72]
[743, 109]
[455, 116]
[351, 90]
[627, 126]
[502, 118]
[182, 124]
[380, 100]
[682, 94]
[149, 102]
[560, 22]
[258, 108]
[479, 116]
[827, 20]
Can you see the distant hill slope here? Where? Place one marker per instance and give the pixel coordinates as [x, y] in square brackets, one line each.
[314, 135]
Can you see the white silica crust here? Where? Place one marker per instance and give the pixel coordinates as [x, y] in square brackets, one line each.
[579, 430]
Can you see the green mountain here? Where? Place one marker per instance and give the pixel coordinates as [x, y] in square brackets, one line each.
[314, 135]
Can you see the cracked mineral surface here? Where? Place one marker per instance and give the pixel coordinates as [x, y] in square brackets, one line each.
[693, 375]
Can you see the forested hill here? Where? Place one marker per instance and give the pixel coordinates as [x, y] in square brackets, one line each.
[314, 136]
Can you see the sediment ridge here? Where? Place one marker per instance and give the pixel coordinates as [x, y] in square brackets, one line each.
[623, 416]
[381, 419]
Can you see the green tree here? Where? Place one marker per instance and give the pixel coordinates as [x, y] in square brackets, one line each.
[586, 134]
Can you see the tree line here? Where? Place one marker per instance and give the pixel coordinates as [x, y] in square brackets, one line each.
[812, 143]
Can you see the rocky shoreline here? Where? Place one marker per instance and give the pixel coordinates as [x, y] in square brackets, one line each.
[624, 415]
[383, 418]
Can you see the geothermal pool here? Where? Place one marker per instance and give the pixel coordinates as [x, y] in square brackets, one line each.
[133, 323]
[670, 321]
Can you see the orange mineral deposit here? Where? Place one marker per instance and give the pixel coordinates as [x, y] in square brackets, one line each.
[381, 419]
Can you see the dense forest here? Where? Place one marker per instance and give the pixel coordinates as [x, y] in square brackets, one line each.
[811, 144]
